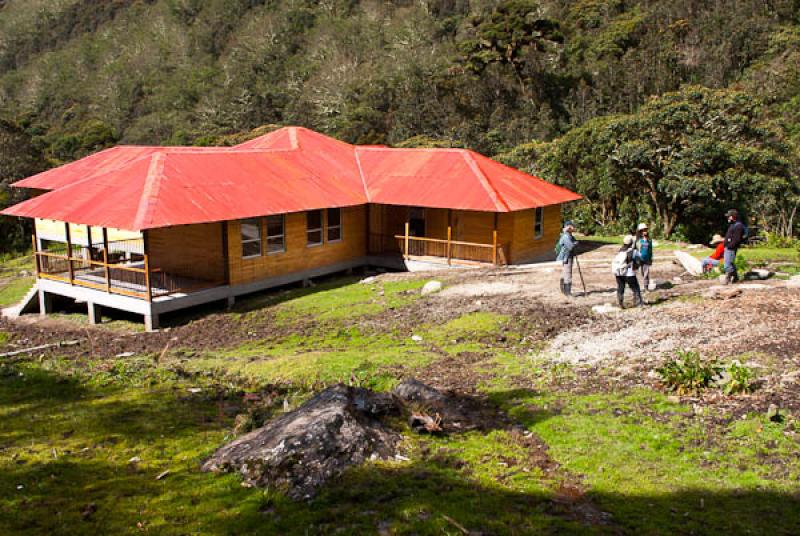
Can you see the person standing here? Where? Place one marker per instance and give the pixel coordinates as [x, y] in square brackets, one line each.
[644, 245]
[733, 239]
[566, 254]
[624, 269]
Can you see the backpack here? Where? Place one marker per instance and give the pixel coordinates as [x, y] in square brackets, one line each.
[621, 263]
[557, 247]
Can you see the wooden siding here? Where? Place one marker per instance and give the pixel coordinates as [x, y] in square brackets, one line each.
[298, 256]
[524, 246]
[193, 251]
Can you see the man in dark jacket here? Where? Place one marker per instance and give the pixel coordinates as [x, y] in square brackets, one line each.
[566, 255]
[733, 239]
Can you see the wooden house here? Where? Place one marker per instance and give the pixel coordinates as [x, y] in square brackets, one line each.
[156, 229]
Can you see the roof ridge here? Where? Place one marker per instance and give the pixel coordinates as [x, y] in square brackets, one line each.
[294, 143]
[361, 173]
[155, 172]
[484, 180]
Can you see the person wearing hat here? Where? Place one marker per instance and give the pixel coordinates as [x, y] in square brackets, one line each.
[644, 245]
[733, 239]
[713, 260]
[624, 269]
[565, 255]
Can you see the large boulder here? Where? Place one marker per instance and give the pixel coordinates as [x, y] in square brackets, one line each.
[304, 448]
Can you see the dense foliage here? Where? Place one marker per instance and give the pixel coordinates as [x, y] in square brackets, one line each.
[681, 160]
[493, 75]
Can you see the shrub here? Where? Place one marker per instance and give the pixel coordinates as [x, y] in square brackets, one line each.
[688, 373]
[736, 378]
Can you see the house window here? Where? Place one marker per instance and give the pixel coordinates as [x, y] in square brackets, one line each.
[334, 217]
[538, 222]
[251, 238]
[313, 228]
[275, 234]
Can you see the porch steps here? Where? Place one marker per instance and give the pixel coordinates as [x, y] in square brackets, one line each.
[28, 304]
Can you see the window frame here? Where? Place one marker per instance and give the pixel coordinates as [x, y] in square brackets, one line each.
[319, 229]
[538, 223]
[328, 226]
[268, 237]
[259, 240]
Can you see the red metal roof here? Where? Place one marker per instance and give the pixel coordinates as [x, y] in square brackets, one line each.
[289, 170]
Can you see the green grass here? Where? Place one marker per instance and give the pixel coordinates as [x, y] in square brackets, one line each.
[339, 299]
[13, 284]
[652, 473]
[306, 361]
[69, 426]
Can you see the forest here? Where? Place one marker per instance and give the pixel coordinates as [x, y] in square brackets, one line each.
[668, 111]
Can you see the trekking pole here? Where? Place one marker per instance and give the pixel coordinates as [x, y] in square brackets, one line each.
[583, 283]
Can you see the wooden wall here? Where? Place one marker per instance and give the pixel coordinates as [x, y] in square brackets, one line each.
[515, 232]
[298, 256]
[188, 250]
[524, 247]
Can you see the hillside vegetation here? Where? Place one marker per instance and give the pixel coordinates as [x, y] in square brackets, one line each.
[495, 76]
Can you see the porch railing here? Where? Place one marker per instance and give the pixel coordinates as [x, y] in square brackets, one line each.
[117, 267]
[453, 251]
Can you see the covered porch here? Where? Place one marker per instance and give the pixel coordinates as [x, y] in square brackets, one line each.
[437, 235]
[137, 265]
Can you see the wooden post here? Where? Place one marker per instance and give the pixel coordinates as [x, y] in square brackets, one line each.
[405, 247]
[69, 253]
[149, 292]
[105, 260]
[494, 240]
[494, 247]
[35, 250]
[449, 245]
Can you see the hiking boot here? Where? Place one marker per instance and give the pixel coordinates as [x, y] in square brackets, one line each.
[621, 301]
[561, 286]
[567, 289]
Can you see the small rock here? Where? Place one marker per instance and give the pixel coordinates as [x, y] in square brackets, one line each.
[135, 459]
[722, 292]
[606, 308]
[162, 474]
[773, 413]
[195, 390]
[416, 338]
[758, 273]
[431, 287]
[89, 511]
[793, 281]
[125, 354]
[368, 280]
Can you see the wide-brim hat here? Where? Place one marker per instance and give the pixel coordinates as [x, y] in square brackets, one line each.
[732, 212]
[628, 240]
[716, 239]
[642, 227]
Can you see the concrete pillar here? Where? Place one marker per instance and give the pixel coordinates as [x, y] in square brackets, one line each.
[95, 313]
[231, 302]
[151, 322]
[45, 303]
